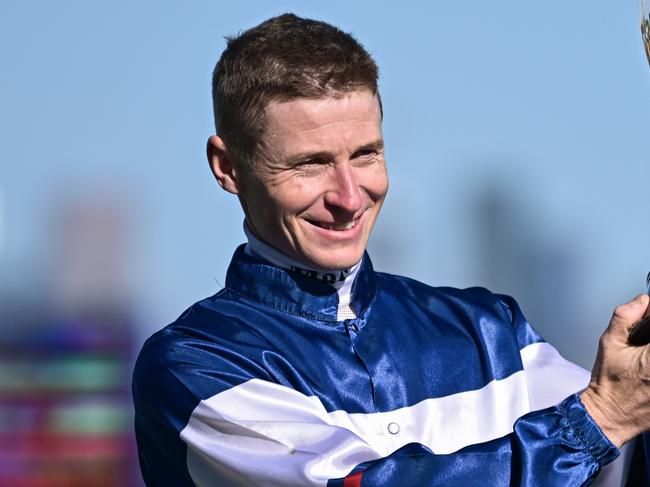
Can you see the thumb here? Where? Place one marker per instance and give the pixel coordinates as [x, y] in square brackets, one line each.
[628, 314]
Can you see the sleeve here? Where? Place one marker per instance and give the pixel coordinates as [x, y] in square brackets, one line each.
[209, 417]
[163, 402]
[562, 444]
[559, 446]
[550, 380]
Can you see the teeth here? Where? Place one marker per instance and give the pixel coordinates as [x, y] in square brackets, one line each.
[338, 226]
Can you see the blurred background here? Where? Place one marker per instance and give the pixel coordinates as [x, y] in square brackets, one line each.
[518, 147]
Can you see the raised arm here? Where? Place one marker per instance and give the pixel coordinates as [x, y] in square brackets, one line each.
[618, 395]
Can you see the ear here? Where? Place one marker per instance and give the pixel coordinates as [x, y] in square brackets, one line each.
[223, 164]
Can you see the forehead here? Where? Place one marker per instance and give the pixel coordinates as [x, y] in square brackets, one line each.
[340, 120]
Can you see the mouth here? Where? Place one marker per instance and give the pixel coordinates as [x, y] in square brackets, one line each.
[336, 226]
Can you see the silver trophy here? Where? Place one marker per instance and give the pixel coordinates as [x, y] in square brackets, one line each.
[645, 28]
[644, 18]
[640, 332]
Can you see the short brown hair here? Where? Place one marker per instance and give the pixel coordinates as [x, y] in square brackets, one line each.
[282, 58]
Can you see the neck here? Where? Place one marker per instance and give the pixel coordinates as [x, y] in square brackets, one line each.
[261, 249]
[341, 279]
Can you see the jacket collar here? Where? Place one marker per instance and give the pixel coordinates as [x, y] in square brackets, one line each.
[294, 292]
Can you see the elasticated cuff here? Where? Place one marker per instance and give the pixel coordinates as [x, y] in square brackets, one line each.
[587, 431]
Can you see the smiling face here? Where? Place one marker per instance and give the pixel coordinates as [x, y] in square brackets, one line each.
[319, 180]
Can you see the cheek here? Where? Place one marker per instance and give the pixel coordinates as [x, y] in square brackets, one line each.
[377, 183]
[266, 210]
[297, 199]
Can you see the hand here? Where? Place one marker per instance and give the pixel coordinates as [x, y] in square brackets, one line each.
[618, 395]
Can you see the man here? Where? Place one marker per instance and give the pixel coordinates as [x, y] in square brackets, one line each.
[310, 368]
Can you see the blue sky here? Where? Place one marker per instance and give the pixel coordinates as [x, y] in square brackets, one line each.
[516, 133]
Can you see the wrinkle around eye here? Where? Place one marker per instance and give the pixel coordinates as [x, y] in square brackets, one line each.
[369, 160]
[273, 174]
[310, 169]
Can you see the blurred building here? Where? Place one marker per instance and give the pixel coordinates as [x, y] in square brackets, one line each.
[65, 355]
[540, 269]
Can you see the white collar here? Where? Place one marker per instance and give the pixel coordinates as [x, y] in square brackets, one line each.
[341, 279]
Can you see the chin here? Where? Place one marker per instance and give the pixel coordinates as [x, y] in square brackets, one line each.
[336, 260]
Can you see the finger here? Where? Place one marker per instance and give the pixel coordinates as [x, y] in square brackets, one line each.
[626, 315]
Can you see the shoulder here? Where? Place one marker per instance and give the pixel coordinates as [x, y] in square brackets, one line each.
[406, 287]
[474, 306]
[197, 355]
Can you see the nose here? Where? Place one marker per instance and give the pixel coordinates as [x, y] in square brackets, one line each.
[344, 194]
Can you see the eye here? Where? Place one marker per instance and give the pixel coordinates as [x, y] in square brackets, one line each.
[310, 166]
[309, 162]
[364, 153]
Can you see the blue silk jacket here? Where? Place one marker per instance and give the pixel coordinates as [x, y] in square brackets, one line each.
[261, 385]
